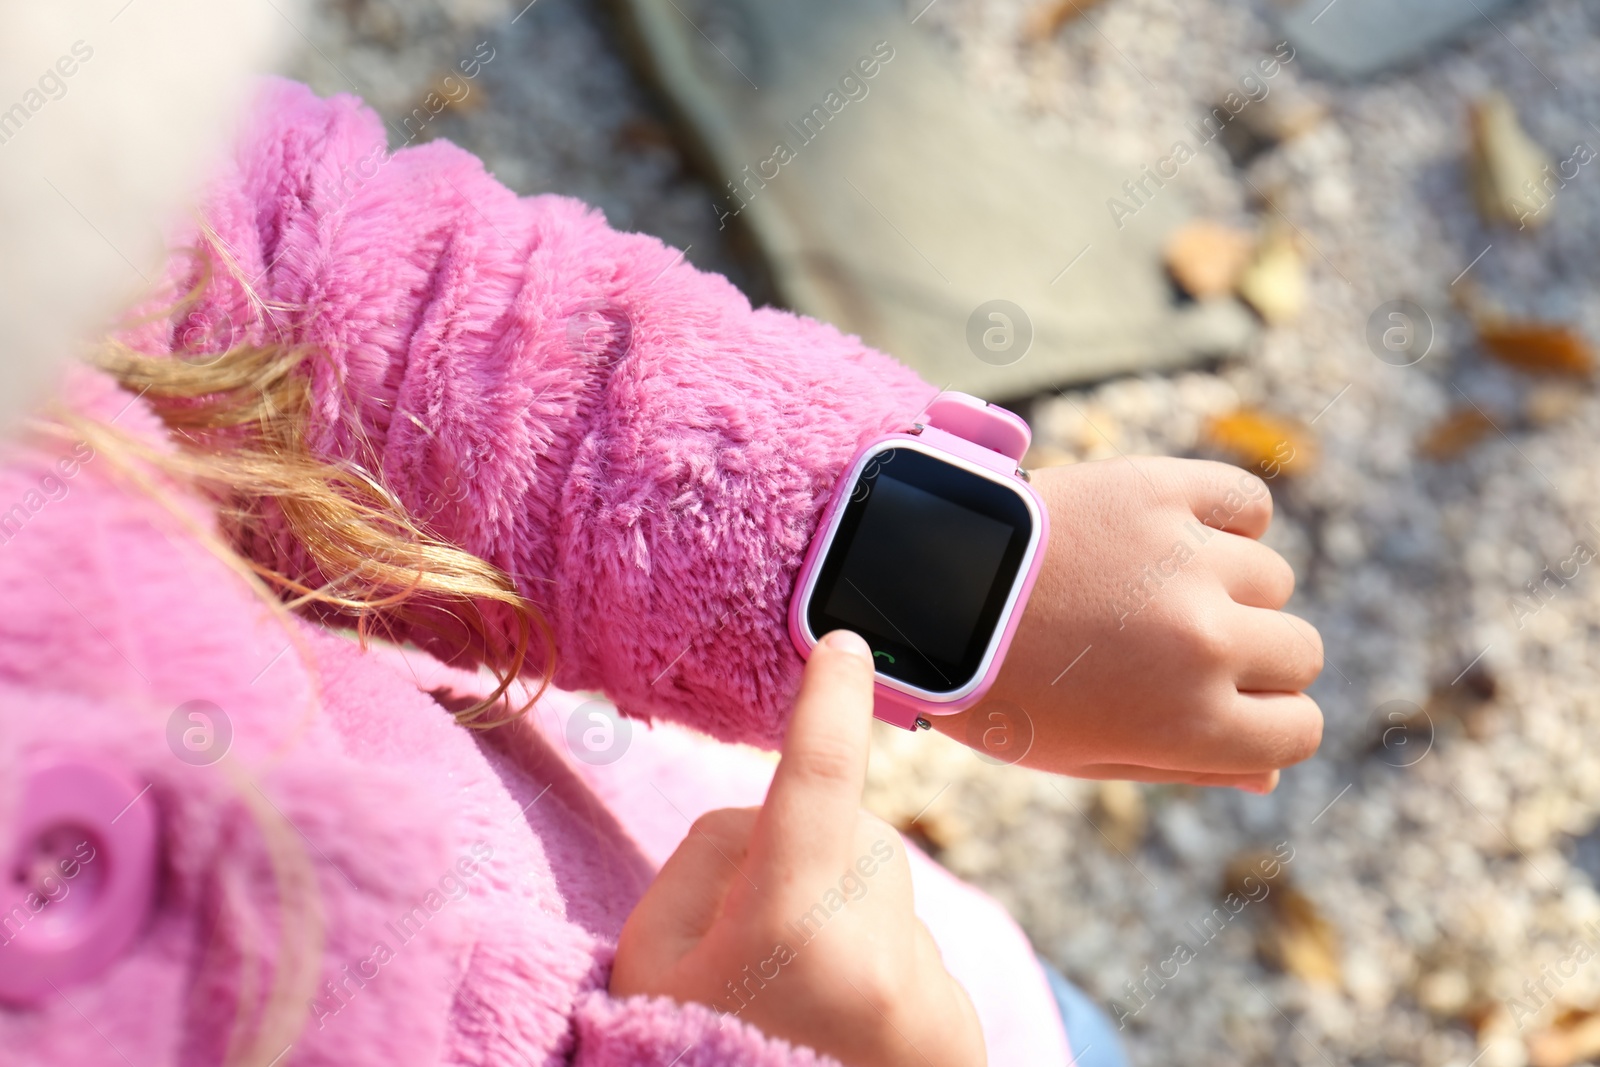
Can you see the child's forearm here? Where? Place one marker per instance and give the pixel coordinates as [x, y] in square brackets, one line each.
[643, 453]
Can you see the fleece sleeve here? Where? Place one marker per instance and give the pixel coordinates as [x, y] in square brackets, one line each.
[641, 450]
[656, 1032]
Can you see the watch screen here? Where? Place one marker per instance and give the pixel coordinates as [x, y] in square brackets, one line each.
[921, 566]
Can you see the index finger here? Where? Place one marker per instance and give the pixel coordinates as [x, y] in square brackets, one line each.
[809, 818]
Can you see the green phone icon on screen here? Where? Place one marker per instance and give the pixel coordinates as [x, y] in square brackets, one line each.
[885, 655]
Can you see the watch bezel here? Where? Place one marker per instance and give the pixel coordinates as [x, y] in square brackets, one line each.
[1019, 581]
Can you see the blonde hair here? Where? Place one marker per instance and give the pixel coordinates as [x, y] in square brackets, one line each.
[240, 419]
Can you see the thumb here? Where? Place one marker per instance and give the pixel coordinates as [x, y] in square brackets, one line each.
[685, 899]
[809, 818]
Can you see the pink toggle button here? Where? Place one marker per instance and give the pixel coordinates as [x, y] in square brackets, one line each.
[77, 875]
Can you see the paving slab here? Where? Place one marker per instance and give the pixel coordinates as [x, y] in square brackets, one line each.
[889, 201]
[1359, 38]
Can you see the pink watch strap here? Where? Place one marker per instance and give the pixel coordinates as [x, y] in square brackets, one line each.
[992, 428]
[982, 433]
[888, 706]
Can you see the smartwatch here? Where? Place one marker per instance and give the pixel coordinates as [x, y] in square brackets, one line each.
[928, 549]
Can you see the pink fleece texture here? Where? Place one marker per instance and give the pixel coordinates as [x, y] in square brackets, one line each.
[449, 897]
[463, 902]
[642, 451]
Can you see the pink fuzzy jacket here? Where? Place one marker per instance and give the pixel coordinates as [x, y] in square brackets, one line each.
[644, 452]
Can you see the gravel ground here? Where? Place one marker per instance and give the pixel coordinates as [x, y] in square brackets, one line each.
[1449, 853]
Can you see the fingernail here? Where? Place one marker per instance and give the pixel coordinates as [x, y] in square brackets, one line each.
[848, 642]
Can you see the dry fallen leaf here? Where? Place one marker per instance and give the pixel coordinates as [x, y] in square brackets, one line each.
[1444, 993]
[461, 95]
[1275, 281]
[1452, 435]
[1504, 159]
[1297, 939]
[1267, 445]
[1292, 935]
[1046, 18]
[1206, 258]
[1287, 119]
[1547, 405]
[1123, 818]
[1248, 870]
[1572, 1038]
[1539, 347]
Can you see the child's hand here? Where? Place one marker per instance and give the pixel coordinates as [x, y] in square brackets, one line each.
[797, 916]
[1152, 647]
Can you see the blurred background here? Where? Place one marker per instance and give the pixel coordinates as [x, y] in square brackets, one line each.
[1351, 245]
